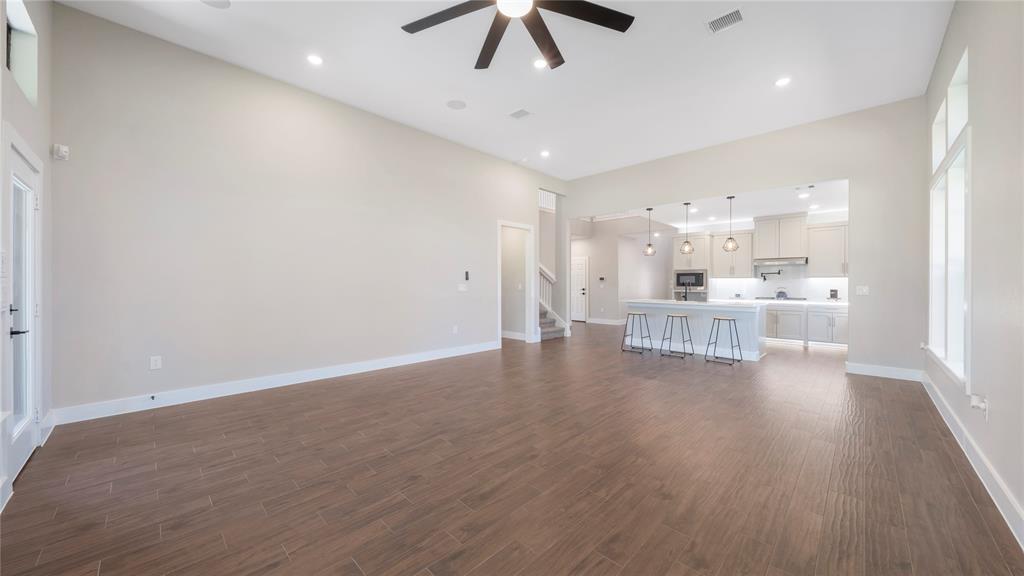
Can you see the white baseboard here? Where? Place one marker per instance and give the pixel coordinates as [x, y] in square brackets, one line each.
[184, 395]
[6, 489]
[46, 428]
[513, 335]
[609, 321]
[885, 371]
[1006, 502]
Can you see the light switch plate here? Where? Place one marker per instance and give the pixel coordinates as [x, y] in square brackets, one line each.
[156, 362]
[463, 287]
[863, 290]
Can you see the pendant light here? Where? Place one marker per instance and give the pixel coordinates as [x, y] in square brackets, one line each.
[686, 247]
[649, 249]
[731, 245]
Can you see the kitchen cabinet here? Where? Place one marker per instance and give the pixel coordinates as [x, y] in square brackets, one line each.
[825, 325]
[738, 264]
[696, 261]
[780, 237]
[784, 323]
[826, 251]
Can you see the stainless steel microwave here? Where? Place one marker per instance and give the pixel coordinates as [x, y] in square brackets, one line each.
[691, 279]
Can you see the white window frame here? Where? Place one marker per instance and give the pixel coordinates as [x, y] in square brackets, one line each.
[961, 144]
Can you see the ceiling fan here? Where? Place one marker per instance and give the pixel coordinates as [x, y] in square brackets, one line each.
[527, 11]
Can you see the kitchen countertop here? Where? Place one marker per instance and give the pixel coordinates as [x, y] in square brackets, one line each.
[742, 304]
[793, 303]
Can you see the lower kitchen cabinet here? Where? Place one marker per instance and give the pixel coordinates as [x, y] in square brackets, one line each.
[824, 325]
[784, 323]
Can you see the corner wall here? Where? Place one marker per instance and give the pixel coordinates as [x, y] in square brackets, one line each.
[242, 228]
[995, 445]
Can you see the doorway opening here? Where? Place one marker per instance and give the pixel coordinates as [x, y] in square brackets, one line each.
[517, 278]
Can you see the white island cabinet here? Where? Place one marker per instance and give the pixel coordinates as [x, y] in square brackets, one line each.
[750, 323]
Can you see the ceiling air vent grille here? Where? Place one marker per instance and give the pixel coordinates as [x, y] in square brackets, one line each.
[520, 114]
[722, 22]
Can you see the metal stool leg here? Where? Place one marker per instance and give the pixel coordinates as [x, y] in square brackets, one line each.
[738, 345]
[649, 338]
[625, 328]
[714, 322]
[689, 336]
[732, 347]
[668, 327]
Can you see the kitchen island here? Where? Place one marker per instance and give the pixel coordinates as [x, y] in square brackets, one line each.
[750, 319]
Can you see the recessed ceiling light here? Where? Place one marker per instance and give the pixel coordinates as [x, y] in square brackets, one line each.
[694, 210]
[314, 59]
[456, 104]
[712, 218]
[540, 63]
[657, 234]
[544, 154]
[813, 207]
[803, 195]
[218, 4]
[783, 82]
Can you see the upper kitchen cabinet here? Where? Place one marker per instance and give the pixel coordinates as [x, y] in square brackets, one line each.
[826, 251]
[696, 261]
[738, 264]
[780, 237]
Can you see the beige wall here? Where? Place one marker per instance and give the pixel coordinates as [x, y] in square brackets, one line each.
[881, 151]
[548, 239]
[235, 225]
[995, 99]
[513, 280]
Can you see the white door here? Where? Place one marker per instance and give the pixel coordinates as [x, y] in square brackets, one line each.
[20, 370]
[578, 286]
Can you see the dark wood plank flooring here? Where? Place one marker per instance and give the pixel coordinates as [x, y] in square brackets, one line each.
[565, 458]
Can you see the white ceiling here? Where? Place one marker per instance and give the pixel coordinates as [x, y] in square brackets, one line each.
[826, 201]
[665, 86]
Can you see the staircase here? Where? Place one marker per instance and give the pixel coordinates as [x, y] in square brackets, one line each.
[549, 329]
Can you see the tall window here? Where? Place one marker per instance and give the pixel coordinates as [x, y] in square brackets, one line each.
[948, 311]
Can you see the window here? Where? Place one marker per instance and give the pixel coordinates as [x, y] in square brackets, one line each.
[948, 311]
[22, 48]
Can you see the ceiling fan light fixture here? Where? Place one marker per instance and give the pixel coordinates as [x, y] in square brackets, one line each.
[515, 8]
[540, 63]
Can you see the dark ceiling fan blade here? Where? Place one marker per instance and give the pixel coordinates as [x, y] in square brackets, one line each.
[446, 15]
[498, 26]
[542, 38]
[589, 12]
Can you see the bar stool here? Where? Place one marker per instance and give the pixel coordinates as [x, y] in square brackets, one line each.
[636, 322]
[670, 322]
[716, 328]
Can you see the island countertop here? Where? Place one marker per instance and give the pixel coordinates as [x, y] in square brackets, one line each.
[748, 328]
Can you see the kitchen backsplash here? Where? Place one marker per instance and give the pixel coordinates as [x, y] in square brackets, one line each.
[793, 280]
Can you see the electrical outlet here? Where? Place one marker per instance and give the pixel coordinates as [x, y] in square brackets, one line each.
[156, 362]
[462, 287]
[863, 290]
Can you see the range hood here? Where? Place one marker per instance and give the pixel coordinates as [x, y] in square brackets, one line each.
[801, 261]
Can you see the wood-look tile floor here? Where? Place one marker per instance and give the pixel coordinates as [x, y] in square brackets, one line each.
[565, 458]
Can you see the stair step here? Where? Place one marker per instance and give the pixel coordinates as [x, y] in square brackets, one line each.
[546, 322]
[551, 332]
[543, 313]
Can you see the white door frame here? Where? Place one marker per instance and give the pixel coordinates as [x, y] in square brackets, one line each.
[532, 325]
[586, 282]
[19, 162]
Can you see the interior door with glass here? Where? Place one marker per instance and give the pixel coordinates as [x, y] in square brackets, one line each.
[19, 371]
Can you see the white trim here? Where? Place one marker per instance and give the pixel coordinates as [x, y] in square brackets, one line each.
[532, 319]
[894, 372]
[6, 489]
[46, 428]
[608, 321]
[547, 273]
[1006, 503]
[513, 335]
[184, 395]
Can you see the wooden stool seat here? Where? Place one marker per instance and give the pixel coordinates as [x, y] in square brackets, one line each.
[680, 315]
[727, 318]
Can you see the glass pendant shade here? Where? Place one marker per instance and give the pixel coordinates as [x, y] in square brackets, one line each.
[731, 245]
[686, 247]
[649, 250]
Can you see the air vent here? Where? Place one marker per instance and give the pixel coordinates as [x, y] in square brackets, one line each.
[728, 21]
[520, 114]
